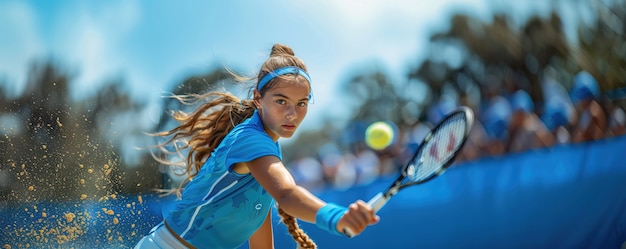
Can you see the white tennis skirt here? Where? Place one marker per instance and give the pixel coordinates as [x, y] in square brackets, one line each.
[160, 238]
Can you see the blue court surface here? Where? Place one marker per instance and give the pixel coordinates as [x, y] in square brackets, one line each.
[571, 196]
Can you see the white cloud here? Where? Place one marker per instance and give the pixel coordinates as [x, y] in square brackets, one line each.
[94, 38]
[394, 30]
[394, 33]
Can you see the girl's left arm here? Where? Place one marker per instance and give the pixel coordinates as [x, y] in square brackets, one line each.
[263, 238]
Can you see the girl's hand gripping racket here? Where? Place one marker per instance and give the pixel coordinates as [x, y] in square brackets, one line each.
[434, 155]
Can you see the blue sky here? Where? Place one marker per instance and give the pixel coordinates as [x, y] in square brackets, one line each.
[155, 44]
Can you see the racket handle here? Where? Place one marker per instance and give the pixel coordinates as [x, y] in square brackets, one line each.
[377, 202]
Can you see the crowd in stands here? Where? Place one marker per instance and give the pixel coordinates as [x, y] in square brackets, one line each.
[505, 123]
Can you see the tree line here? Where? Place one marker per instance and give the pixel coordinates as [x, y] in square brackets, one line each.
[55, 148]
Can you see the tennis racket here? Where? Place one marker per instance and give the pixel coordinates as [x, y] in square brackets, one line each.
[434, 155]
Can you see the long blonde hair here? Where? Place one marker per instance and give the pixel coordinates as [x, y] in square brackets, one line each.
[202, 130]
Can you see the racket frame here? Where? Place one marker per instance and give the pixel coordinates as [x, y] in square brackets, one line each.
[380, 199]
[398, 185]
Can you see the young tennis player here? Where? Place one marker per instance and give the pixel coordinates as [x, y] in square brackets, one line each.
[234, 167]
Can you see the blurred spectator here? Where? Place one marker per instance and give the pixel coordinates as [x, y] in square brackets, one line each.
[617, 122]
[558, 116]
[418, 132]
[496, 121]
[526, 130]
[558, 112]
[553, 89]
[476, 143]
[591, 120]
[437, 111]
[330, 158]
[307, 172]
[501, 126]
[367, 166]
[346, 173]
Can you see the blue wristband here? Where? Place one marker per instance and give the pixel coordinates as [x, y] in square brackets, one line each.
[328, 216]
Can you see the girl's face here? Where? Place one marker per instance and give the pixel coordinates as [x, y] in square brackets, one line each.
[284, 106]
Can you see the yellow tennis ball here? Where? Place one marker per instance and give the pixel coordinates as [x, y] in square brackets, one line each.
[379, 135]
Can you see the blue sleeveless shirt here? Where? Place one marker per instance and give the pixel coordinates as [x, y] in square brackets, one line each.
[219, 207]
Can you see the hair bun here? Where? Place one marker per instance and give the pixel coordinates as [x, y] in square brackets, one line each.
[281, 50]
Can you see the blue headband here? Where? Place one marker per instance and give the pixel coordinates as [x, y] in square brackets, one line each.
[282, 71]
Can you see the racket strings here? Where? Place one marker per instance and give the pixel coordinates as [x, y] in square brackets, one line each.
[442, 145]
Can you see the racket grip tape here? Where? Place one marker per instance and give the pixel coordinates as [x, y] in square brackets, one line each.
[377, 202]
